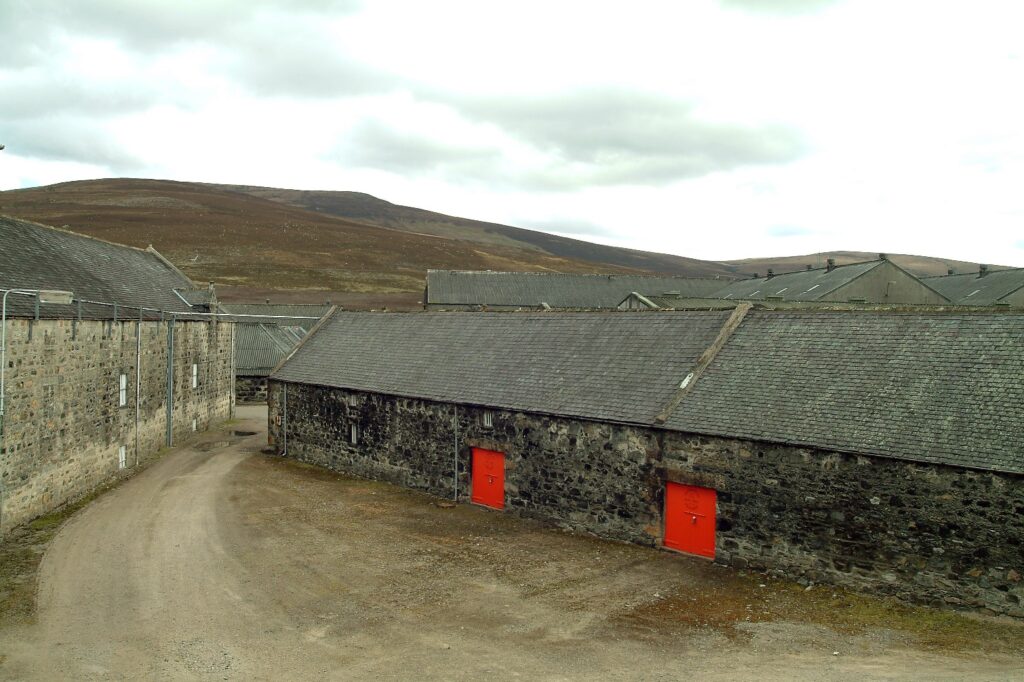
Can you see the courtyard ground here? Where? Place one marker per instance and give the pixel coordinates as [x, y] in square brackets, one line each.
[221, 562]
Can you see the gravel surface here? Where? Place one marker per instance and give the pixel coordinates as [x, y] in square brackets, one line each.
[223, 563]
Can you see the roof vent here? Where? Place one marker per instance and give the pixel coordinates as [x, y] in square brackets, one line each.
[982, 270]
[830, 265]
[672, 294]
[268, 301]
[771, 273]
[774, 297]
[756, 275]
[810, 267]
[950, 271]
[883, 256]
[858, 300]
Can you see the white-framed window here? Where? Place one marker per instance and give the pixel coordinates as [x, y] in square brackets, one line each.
[195, 375]
[353, 433]
[488, 419]
[121, 456]
[122, 390]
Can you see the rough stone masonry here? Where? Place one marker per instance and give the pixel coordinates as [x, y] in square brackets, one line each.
[927, 533]
[70, 423]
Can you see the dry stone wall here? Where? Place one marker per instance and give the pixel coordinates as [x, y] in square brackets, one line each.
[933, 534]
[64, 426]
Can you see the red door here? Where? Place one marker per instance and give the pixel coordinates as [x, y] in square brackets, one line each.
[488, 478]
[690, 519]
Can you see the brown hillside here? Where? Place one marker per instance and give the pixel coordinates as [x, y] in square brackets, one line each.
[369, 209]
[343, 245]
[233, 238]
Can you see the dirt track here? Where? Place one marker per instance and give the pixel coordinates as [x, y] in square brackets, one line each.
[223, 563]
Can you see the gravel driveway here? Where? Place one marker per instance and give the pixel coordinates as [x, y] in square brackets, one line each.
[220, 562]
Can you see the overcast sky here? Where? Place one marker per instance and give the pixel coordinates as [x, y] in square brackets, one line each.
[715, 129]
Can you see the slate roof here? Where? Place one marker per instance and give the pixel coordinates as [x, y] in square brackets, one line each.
[35, 256]
[559, 290]
[939, 388]
[972, 289]
[303, 315]
[931, 387]
[804, 285]
[609, 366]
[259, 347]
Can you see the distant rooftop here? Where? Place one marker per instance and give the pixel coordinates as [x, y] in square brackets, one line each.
[985, 287]
[556, 289]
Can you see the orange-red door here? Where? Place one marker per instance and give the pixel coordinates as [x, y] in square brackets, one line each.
[488, 478]
[690, 519]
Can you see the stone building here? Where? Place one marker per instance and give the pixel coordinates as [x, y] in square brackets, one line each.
[473, 289]
[264, 334]
[877, 281]
[878, 450]
[985, 287]
[94, 388]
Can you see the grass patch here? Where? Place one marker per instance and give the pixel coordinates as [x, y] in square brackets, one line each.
[20, 556]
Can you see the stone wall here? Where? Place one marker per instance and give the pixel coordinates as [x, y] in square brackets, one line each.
[251, 390]
[923, 533]
[63, 424]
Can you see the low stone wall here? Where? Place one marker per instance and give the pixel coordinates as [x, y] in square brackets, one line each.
[64, 426]
[924, 533]
[251, 390]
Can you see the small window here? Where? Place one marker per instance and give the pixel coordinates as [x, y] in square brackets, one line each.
[353, 433]
[193, 424]
[488, 419]
[122, 391]
[121, 458]
[195, 375]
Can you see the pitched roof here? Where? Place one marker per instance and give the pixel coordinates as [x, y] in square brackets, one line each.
[933, 387]
[804, 285]
[936, 387]
[558, 290]
[35, 256]
[974, 289]
[610, 366]
[259, 347]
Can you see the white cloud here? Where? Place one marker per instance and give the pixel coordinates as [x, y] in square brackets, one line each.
[710, 129]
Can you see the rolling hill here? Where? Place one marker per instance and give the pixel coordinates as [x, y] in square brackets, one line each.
[254, 241]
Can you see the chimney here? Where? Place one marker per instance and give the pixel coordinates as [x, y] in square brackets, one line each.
[982, 270]
[883, 256]
[268, 301]
[771, 273]
[830, 265]
[950, 271]
[756, 275]
[810, 267]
